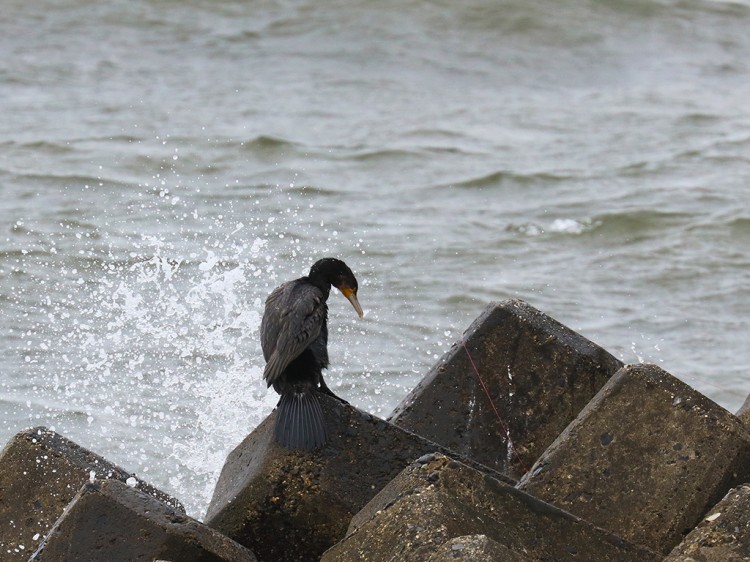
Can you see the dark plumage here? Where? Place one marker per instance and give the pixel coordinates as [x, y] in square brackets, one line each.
[294, 338]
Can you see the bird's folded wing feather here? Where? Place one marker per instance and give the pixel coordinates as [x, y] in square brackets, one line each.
[292, 320]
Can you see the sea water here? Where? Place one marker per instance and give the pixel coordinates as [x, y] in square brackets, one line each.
[164, 165]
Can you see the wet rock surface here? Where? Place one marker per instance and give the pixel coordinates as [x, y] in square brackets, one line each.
[429, 504]
[646, 458]
[723, 535]
[309, 498]
[110, 521]
[475, 548]
[743, 414]
[40, 473]
[538, 373]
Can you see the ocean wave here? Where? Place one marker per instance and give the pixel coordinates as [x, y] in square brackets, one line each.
[573, 23]
[556, 226]
[523, 16]
[23, 254]
[307, 190]
[644, 217]
[740, 226]
[54, 409]
[242, 36]
[44, 146]
[266, 144]
[69, 180]
[626, 224]
[121, 138]
[499, 178]
[638, 224]
[366, 155]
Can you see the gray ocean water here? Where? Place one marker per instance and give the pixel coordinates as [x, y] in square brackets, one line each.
[164, 164]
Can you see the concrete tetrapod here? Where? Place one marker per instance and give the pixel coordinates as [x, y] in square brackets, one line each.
[539, 375]
[109, 521]
[646, 458]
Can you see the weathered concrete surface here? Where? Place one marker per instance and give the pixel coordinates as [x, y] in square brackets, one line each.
[723, 535]
[40, 473]
[437, 499]
[645, 459]
[292, 506]
[744, 412]
[109, 521]
[475, 548]
[539, 373]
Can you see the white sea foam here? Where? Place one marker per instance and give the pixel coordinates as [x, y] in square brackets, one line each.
[170, 347]
[568, 226]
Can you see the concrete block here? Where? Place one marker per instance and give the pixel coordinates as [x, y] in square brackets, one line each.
[293, 505]
[40, 473]
[438, 499]
[109, 521]
[723, 535]
[539, 374]
[475, 548]
[646, 458]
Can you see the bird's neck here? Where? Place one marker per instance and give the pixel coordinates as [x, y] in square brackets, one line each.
[321, 283]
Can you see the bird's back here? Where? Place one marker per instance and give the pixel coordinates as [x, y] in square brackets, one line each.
[294, 314]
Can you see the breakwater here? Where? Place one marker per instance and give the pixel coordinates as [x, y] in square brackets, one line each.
[524, 442]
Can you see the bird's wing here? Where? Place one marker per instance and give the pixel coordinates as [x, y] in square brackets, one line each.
[271, 321]
[292, 320]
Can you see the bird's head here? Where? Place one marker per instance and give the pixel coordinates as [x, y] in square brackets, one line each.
[338, 274]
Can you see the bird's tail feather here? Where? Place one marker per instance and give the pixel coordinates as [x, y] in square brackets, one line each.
[299, 421]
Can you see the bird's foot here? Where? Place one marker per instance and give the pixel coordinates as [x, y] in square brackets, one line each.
[327, 391]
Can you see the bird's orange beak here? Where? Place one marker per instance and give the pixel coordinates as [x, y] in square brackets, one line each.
[351, 296]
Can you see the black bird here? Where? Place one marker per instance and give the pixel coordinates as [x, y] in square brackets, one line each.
[294, 338]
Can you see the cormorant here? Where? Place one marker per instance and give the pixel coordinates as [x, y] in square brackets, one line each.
[294, 338]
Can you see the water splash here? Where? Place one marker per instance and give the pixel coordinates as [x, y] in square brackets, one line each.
[141, 341]
[146, 349]
[168, 345]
